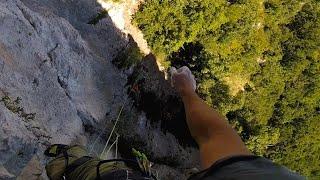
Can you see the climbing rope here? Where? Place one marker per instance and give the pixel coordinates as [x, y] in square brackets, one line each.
[134, 88]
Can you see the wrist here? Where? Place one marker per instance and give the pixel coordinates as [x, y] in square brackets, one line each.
[187, 93]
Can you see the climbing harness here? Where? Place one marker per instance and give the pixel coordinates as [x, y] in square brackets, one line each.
[73, 163]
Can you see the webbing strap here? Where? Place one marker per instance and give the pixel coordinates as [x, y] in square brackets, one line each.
[56, 149]
[128, 161]
[70, 168]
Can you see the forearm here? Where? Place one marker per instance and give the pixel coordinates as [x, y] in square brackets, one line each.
[215, 137]
[202, 119]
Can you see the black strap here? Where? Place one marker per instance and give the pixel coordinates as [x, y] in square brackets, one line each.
[66, 161]
[221, 163]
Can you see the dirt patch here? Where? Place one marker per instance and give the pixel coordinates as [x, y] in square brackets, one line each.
[5, 55]
[236, 83]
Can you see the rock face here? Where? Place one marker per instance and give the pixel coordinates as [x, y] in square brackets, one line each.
[58, 85]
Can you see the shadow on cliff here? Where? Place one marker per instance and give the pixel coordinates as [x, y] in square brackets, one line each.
[152, 93]
[103, 37]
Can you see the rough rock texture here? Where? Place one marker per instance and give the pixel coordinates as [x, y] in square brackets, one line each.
[58, 85]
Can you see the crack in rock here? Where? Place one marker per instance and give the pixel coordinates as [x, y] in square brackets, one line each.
[64, 86]
[27, 17]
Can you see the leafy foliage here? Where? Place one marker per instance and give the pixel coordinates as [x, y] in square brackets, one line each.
[15, 107]
[128, 56]
[256, 61]
[101, 15]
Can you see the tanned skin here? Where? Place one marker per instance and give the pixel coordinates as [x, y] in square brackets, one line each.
[214, 135]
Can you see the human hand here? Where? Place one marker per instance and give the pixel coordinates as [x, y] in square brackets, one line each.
[183, 80]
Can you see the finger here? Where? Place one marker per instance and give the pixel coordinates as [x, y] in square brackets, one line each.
[194, 83]
[191, 77]
[183, 69]
[173, 72]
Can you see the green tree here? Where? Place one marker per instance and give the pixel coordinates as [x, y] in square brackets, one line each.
[256, 61]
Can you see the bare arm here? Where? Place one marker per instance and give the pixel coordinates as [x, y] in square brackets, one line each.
[215, 137]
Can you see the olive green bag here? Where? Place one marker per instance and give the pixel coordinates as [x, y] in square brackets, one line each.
[73, 163]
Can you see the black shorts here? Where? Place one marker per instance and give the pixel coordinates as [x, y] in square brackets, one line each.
[246, 168]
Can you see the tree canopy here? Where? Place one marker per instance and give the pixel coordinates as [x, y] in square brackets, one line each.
[256, 61]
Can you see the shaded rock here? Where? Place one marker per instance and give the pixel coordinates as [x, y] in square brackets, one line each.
[4, 174]
[157, 127]
[33, 170]
[161, 103]
[168, 173]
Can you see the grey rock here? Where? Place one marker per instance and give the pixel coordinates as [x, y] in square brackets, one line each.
[168, 173]
[45, 61]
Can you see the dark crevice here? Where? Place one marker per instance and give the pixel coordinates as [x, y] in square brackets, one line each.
[194, 57]
[51, 51]
[60, 80]
[154, 95]
[88, 122]
[64, 86]
[50, 56]
[28, 18]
